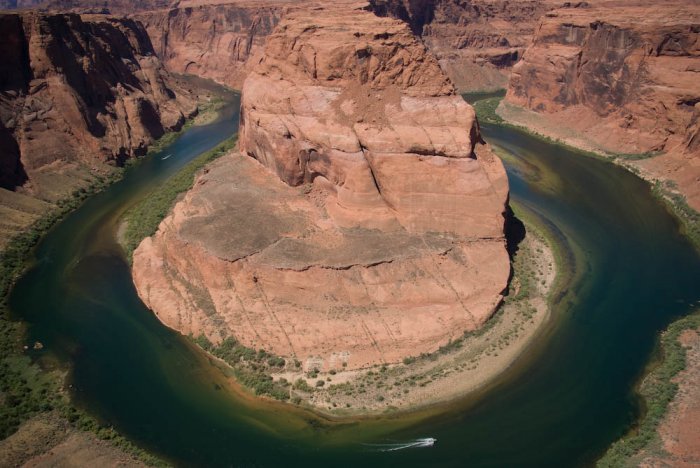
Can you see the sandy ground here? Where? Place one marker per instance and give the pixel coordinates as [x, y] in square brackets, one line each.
[445, 376]
[48, 440]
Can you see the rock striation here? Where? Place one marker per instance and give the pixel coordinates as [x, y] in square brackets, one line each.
[78, 95]
[79, 91]
[476, 41]
[362, 221]
[216, 40]
[625, 78]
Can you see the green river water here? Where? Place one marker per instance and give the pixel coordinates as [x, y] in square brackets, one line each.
[562, 404]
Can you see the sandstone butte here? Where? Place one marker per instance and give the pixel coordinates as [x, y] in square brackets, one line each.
[363, 219]
[622, 77]
[77, 92]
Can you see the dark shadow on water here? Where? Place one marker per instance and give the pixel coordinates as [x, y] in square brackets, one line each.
[515, 232]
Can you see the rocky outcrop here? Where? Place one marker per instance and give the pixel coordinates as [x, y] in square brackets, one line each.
[79, 91]
[216, 40]
[363, 220]
[625, 77]
[476, 41]
[78, 95]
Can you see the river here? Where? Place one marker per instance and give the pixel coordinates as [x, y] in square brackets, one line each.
[562, 404]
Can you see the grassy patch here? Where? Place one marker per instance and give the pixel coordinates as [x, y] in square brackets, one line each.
[486, 110]
[689, 218]
[636, 156]
[143, 219]
[658, 390]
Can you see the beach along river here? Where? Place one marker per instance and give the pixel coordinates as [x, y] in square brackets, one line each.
[561, 404]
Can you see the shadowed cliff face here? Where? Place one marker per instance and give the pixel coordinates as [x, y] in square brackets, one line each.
[113, 6]
[79, 91]
[362, 221]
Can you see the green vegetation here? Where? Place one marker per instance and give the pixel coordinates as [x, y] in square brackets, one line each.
[207, 110]
[83, 421]
[637, 156]
[658, 390]
[486, 110]
[250, 367]
[143, 219]
[689, 218]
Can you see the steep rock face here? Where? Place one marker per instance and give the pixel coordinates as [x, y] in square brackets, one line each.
[476, 41]
[79, 91]
[369, 229]
[626, 76]
[220, 41]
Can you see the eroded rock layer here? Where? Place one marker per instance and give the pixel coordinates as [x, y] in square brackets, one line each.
[216, 40]
[79, 91]
[626, 77]
[363, 220]
[476, 41]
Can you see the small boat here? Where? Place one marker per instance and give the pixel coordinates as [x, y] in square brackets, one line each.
[166, 157]
[393, 447]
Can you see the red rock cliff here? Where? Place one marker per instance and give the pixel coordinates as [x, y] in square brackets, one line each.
[79, 91]
[214, 40]
[364, 221]
[476, 41]
[626, 77]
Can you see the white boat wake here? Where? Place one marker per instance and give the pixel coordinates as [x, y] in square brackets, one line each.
[418, 443]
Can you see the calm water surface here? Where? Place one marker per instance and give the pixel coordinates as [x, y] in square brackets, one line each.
[561, 405]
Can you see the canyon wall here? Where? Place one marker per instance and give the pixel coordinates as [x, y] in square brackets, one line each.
[363, 219]
[77, 93]
[220, 41]
[476, 41]
[622, 78]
